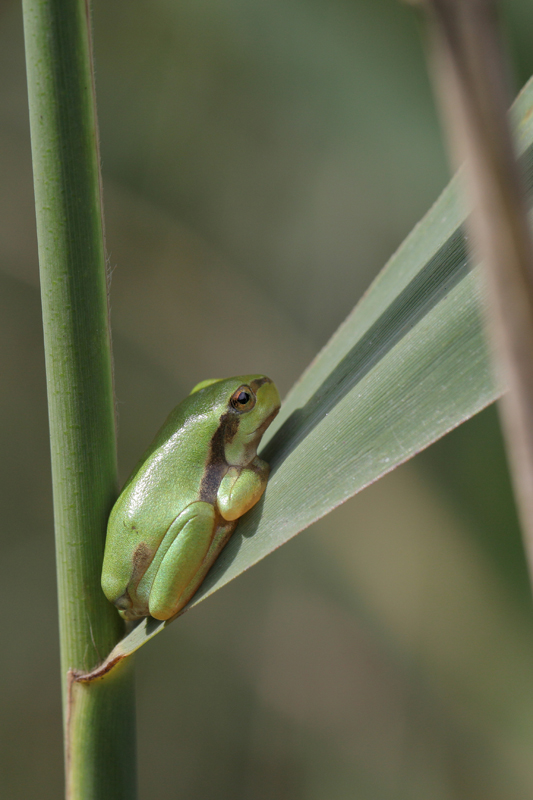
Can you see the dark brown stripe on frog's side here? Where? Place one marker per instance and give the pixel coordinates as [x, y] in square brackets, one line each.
[142, 558]
[216, 465]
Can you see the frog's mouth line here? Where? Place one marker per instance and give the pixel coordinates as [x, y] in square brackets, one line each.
[264, 425]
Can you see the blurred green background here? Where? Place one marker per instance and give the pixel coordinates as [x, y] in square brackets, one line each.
[261, 161]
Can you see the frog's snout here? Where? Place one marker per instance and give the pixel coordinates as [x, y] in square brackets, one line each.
[268, 398]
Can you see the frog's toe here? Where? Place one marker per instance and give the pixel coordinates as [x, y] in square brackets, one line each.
[124, 604]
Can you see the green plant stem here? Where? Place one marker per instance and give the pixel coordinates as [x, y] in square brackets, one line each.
[99, 718]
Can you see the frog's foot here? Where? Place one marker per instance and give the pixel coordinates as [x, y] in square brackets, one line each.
[124, 605]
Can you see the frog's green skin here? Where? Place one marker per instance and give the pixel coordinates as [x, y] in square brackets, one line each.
[182, 501]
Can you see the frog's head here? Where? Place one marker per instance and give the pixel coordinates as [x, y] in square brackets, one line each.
[245, 406]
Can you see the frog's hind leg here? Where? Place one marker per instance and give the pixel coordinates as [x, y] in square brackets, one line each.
[190, 536]
[220, 539]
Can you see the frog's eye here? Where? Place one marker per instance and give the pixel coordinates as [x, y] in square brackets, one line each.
[243, 399]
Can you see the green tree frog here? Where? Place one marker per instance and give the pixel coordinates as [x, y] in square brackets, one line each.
[182, 502]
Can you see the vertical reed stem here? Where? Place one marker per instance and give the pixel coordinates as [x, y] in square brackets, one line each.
[98, 717]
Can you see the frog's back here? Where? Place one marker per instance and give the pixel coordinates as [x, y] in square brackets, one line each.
[167, 478]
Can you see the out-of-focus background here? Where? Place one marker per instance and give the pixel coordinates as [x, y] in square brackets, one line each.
[261, 161]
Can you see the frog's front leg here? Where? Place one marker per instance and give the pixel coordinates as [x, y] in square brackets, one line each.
[190, 537]
[241, 488]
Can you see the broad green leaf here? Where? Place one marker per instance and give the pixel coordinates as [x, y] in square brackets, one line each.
[408, 365]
